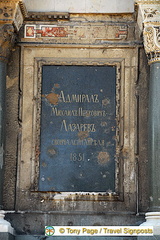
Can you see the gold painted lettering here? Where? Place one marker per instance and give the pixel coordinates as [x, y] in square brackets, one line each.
[80, 112]
[96, 98]
[80, 98]
[64, 126]
[61, 97]
[68, 100]
[78, 142]
[72, 127]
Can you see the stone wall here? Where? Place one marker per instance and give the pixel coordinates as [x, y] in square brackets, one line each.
[84, 6]
[81, 39]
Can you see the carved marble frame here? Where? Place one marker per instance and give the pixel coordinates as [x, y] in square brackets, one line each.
[118, 194]
[27, 195]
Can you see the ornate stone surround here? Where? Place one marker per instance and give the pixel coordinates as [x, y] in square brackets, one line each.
[11, 18]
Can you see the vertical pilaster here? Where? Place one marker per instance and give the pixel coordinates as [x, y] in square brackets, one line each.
[149, 19]
[11, 19]
[2, 124]
[152, 47]
[6, 42]
[154, 136]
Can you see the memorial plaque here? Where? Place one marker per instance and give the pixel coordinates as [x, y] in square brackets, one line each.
[78, 129]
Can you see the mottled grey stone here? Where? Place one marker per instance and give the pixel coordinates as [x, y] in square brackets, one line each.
[6, 236]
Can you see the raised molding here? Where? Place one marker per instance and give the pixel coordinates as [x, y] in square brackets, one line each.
[118, 195]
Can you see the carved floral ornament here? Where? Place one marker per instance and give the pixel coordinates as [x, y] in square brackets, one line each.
[151, 36]
[150, 13]
[11, 19]
[8, 10]
[149, 21]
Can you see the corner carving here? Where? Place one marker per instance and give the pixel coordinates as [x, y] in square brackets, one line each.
[11, 18]
[151, 36]
[7, 39]
[149, 16]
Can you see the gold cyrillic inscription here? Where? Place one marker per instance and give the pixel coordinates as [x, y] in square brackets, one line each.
[72, 127]
[78, 98]
[78, 142]
[80, 112]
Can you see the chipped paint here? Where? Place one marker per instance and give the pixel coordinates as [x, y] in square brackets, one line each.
[103, 158]
[56, 85]
[83, 134]
[103, 124]
[49, 179]
[37, 152]
[105, 101]
[52, 152]
[44, 164]
[52, 98]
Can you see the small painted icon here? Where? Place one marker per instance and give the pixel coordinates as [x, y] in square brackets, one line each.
[49, 231]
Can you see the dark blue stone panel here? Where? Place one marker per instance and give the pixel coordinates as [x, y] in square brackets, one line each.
[78, 129]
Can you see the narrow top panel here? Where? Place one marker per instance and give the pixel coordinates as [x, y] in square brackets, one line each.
[83, 6]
